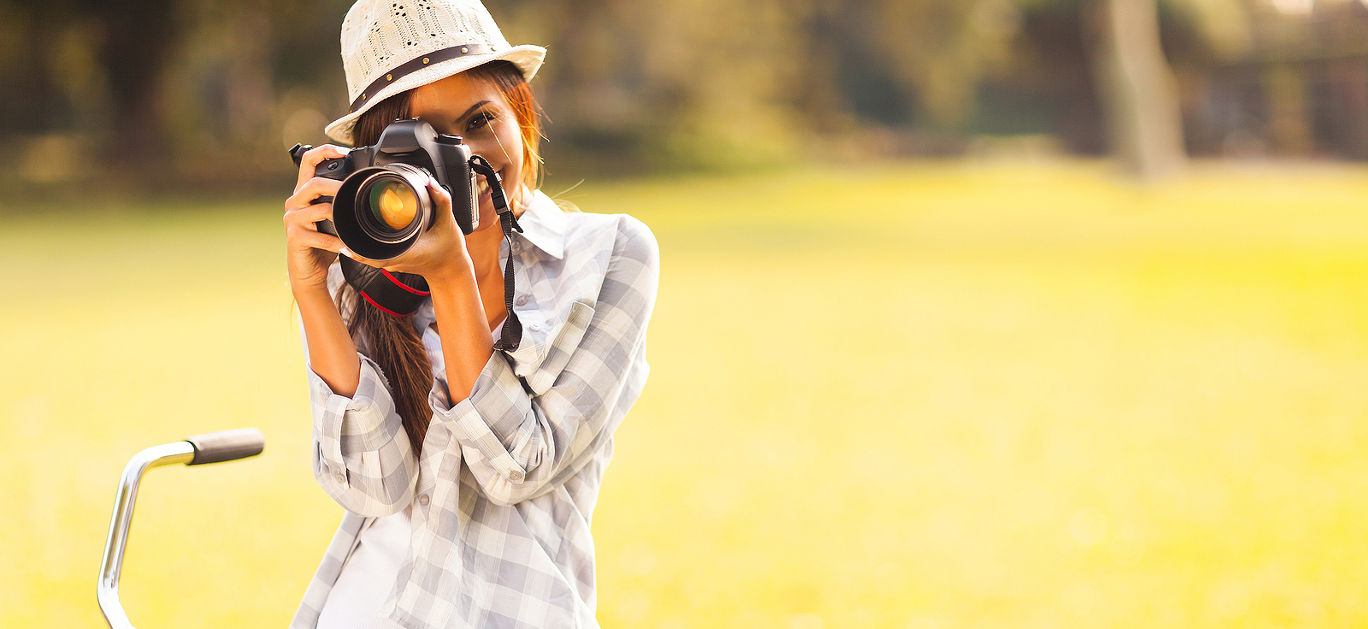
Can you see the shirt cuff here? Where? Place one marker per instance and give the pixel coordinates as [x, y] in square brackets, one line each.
[329, 407]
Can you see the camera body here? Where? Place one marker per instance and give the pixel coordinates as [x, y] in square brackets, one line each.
[383, 204]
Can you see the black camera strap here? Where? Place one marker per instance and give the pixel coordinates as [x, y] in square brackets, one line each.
[511, 336]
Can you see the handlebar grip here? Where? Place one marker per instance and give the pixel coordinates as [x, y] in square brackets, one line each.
[226, 445]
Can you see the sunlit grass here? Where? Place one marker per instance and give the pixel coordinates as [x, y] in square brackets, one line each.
[919, 395]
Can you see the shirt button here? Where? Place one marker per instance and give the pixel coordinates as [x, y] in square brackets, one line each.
[423, 500]
[520, 301]
[516, 476]
[534, 327]
[341, 478]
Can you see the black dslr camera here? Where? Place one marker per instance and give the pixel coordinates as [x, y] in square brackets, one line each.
[383, 204]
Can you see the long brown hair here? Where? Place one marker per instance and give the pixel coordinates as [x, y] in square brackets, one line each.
[391, 341]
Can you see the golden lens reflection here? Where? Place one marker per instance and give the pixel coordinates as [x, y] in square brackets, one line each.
[394, 203]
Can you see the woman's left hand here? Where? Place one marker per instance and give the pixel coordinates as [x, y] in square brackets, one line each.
[440, 251]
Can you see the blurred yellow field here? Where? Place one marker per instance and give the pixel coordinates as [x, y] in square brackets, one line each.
[916, 396]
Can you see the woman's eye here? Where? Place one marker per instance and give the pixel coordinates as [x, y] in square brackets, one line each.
[481, 119]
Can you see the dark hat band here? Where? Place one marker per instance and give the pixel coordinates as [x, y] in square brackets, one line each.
[413, 65]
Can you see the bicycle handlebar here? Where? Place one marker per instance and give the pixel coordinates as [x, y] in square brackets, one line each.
[215, 447]
[226, 445]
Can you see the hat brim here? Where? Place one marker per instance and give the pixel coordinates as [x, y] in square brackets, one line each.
[527, 58]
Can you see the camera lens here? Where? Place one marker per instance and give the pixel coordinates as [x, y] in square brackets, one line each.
[380, 210]
[392, 202]
[389, 204]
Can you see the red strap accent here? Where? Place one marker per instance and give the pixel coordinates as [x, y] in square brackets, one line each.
[382, 308]
[420, 293]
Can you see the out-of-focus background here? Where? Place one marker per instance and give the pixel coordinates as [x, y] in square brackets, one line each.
[973, 313]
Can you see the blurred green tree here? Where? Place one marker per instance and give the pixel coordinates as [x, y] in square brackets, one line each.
[124, 45]
[199, 87]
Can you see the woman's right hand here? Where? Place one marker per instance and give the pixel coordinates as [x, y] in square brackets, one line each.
[309, 251]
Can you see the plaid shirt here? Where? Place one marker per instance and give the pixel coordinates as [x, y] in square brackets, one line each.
[506, 481]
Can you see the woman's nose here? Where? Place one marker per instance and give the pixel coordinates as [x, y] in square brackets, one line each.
[490, 150]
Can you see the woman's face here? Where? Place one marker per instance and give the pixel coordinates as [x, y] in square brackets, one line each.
[476, 110]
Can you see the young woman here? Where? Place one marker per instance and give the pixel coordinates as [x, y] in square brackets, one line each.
[468, 473]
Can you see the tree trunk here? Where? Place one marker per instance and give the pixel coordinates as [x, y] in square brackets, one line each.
[1289, 121]
[1136, 89]
[139, 38]
[1351, 85]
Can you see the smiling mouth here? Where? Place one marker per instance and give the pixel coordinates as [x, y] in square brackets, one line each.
[482, 186]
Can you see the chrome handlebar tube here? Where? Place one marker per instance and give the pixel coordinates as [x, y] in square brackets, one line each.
[227, 445]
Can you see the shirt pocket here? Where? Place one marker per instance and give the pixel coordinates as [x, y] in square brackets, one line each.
[558, 352]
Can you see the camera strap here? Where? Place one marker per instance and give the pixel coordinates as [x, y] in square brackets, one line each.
[511, 336]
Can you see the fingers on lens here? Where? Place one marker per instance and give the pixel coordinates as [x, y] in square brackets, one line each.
[312, 189]
[317, 212]
[322, 185]
[320, 240]
[308, 215]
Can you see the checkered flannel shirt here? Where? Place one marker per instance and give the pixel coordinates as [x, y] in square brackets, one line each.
[507, 478]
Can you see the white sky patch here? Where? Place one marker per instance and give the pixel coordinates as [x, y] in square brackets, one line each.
[1295, 7]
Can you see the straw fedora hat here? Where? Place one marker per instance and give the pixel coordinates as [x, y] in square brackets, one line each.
[392, 46]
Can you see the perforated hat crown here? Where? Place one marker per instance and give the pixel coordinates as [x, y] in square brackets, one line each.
[392, 46]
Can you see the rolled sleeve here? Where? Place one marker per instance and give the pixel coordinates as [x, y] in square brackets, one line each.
[519, 445]
[362, 456]
[492, 429]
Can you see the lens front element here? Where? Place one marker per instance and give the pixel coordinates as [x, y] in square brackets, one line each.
[393, 203]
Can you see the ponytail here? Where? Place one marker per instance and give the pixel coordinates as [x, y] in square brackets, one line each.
[397, 348]
[388, 340]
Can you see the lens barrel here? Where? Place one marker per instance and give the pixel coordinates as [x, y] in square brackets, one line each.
[380, 211]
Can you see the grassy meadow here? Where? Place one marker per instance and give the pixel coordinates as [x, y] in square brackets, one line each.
[922, 395]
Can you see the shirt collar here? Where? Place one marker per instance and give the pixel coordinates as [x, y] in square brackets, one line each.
[544, 224]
